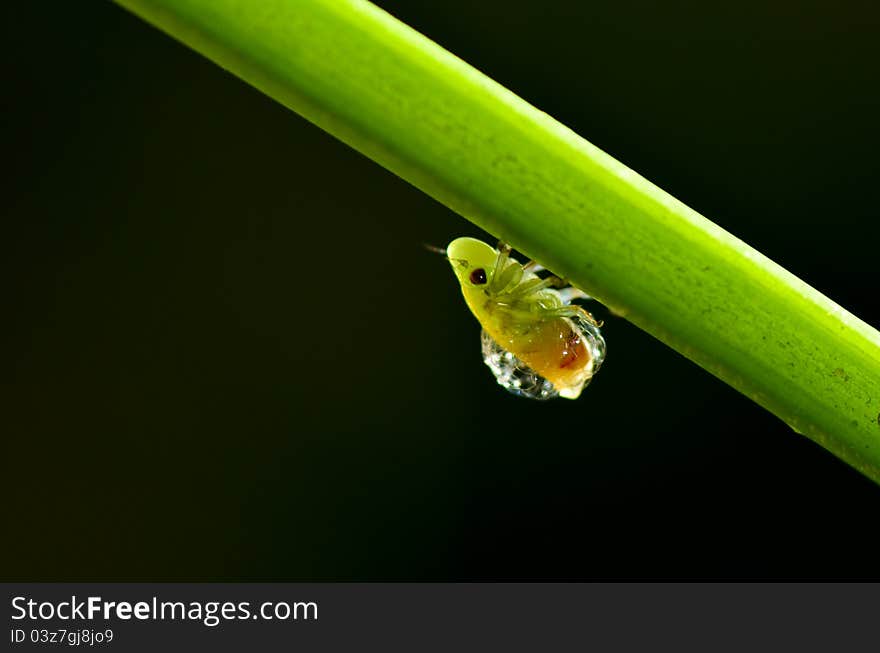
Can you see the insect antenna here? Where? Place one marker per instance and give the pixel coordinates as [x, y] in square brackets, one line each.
[433, 248]
[442, 252]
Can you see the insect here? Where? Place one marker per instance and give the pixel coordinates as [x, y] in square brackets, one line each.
[536, 342]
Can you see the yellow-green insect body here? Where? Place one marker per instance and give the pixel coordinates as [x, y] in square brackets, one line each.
[535, 341]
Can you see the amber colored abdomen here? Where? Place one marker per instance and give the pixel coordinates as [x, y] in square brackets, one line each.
[554, 349]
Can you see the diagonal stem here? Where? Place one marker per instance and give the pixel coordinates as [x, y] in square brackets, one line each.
[424, 114]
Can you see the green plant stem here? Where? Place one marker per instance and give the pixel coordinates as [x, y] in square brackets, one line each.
[435, 121]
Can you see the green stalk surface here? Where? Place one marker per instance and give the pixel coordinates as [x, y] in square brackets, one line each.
[405, 102]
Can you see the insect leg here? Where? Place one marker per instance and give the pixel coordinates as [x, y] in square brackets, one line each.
[570, 293]
[531, 286]
[566, 290]
[573, 310]
[500, 264]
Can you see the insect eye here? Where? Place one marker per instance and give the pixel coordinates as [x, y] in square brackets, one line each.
[478, 277]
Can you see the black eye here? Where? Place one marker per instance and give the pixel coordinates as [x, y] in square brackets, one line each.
[478, 277]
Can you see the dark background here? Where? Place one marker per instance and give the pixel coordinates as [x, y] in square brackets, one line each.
[230, 358]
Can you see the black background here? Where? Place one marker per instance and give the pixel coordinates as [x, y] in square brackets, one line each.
[230, 358]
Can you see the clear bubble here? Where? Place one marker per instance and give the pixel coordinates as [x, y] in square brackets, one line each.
[512, 374]
[595, 342]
